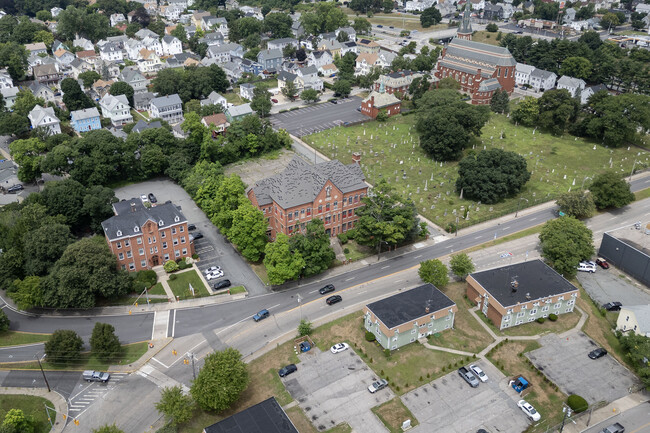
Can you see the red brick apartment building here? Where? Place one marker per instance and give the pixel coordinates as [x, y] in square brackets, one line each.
[142, 237]
[377, 101]
[330, 191]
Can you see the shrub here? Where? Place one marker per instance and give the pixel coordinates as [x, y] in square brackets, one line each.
[387, 353]
[577, 403]
[541, 320]
[370, 336]
[387, 379]
[343, 238]
[552, 317]
[370, 360]
[172, 277]
[443, 369]
[305, 328]
[346, 250]
[397, 388]
[195, 256]
[428, 375]
[170, 266]
[182, 265]
[381, 373]
[351, 233]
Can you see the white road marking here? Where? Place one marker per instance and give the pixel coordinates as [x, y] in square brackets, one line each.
[533, 219]
[448, 246]
[313, 291]
[505, 228]
[399, 281]
[154, 359]
[350, 279]
[386, 267]
[478, 237]
[417, 257]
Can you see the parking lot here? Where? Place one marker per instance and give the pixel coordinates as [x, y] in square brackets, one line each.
[332, 389]
[564, 360]
[320, 117]
[213, 249]
[449, 404]
[607, 286]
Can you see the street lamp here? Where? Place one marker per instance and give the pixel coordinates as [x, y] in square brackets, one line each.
[379, 248]
[632, 172]
[583, 181]
[567, 413]
[300, 306]
[519, 204]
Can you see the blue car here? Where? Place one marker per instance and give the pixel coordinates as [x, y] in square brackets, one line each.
[263, 314]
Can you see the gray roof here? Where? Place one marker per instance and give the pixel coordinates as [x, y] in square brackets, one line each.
[144, 97]
[38, 113]
[477, 53]
[490, 84]
[284, 41]
[300, 182]
[409, 305]
[129, 75]
[642, 315]
[536, 280]
[286, 76]
[143, 126]
[238, 110]
[9, 92]
[565, 80]
[86, 113]
[143, 33]
[168, 39]
[8, 170]
[165, 101]
[541, 73]
[131, 214]
[269, 54]
[110, 102]
[264, 417]
[309, 70]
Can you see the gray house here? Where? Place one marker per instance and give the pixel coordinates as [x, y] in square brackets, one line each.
[142, 101]
[134, 78]
[168, 108]
[271, 60]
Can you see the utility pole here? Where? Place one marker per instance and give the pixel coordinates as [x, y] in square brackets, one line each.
[43, 372]
[193, 370]
[567, 413]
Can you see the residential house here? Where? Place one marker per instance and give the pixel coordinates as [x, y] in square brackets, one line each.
[297, 29]
[378, 101]
[522, 74]
[634, 318]
[310, 82]
[5, 79]
[349, 47]
[217, 123]
[233, 71]
[393, 82]
[212, 39]
[367, 46]
[117, 19]
[589, 91]
[100, 88]
[36, 48]
[83, 43]
[78, 66]
[238, 112]
[282, 43]
[9, 96]
[57, 45]
[569, 15]
[328, 70]
[328, 36]
[284, 78]
[226, 52]
[173, 12]
[153, 44]
[412, 314]
[365, 63]
[85, 120]
[116, 108]
[352, 34]
[197, 18]
[572, 85]
[133, 48]
[264, 417]
[87, 55]
[55, 11]
[111, 52]
[107, 69]
[492, 12]
[319, 58]
[246, 91]
[251, 67]
[47, 74]
[477, 5]
[142, 126]
[333, 47]
[149, 62]
[168, 108]
[44, 118]
[271, 60]
[142, 34]
[309, 43]
[215, 99]
[521, 293]
[210, 23]
[329, 191]
[171, 45]
[64, 57]
[250, 11]
[142, 238]
[134, 78]
[42, 91]
[142, 101]
[542, 80]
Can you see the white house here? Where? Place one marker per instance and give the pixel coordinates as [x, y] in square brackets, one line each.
[282, 43]
[9, 95]
[352, 34]
[478, 5]
[168, 108]
[589, 91]
[5, 79]
[319, 58]
[149, 61]
[542, 80]
[171, 45]
[83, 43]
[42, 91]
[134, 79]
[146, 33]
[349, 47]
[365, 62]
[45, 118]
[246, 91]
[571, 84]
[215, 99]
[522, 74]
[111, 52]
[116, 108]
[64, 57]
[132, 48]
[173, 12]
[55, 11]
[117, 19]
[153, 44]
[634, 318]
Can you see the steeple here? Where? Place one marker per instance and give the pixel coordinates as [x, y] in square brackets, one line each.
[465, 28]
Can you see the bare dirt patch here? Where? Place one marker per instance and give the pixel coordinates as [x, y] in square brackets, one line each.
[254, 170]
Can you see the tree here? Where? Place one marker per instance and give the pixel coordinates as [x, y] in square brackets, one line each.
[63, 347]
[261, 102]
[175, 406]
[615, 120]
[565, 242]
[104, 343]
[305, 328]
[73, 97]
[28, 154]
[500, 102]
[141, 16]
[609, 21]
[637, 352]
[278, 24]
[74, 21]
[492, 28]
[16, 421]
[342, 37]
[4, 321]
[576, 67]
[434, 272]
[461, 265]
[492, 175]
[578, 204]
[281, 265]
[526, 111]
[326, 17]
[244, 27]
[108, 429]
[44, 246]
[388, 6]
[289, 90]
[248, 231]
[430, 17]
[89, 77]
[28, 293]
[44, 36]
[448, 83]
[180, 33]
[122, 88]
[309, 95]
[610, 191]
[361, 25]
[342, 88]
[301, 55]
[221, 380]
[65, 198]
[557, 110]
[314, 247]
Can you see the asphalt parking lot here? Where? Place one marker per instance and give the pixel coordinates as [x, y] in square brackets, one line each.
[564, 360]
[333, 388]
[606, 285]
[319, 117]
[449, 404]
[213, 249]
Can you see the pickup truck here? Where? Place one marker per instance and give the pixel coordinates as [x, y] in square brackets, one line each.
[614, 428]
[468, 376]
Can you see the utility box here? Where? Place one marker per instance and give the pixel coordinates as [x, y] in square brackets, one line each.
[519, 384]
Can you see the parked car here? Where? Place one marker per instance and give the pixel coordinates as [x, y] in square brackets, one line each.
[214, 275]
[262, 314]
[15, 188]
[380, 26]
[95, 376]
[327, 289]
[613, 306]
[586, 267]
[197, 235]
[287, 369]
[221, 284]
[211, 269]
[468, 376]
[478, 372]
[144, 198]
[333, 299]
[376, 386]
[152, 198]
[602, 263]
[614, 428]
[598, 353]
[191, 227]
[275, 101]
[529, 410]
[339, 347]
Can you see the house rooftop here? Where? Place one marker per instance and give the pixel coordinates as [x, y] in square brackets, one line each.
[410, 305]
[264, 417]
[131, 215]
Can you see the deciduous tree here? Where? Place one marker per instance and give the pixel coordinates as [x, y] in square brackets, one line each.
[261, 102]
[309, 95]
[108, 429]
[28, 154]
[28, 293]
[461, 265]
[526, 111]
[342, 88]
[122, 88]
[64, 346]
[104, 343]
[565, 242]
[610, 191]
[576, 67]
[434, 272]
[430, 17]
[289, 90]
[314, 247]
[248, 231]
[500, 102]
[281, 265]
[44, 246]
[220, 382]
[578, 204]
[4, 321]
[89, 77]
[175, 406]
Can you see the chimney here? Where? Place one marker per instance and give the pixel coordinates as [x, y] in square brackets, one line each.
[426, 310]
[356, 157]
[132, 207]
[528, 296]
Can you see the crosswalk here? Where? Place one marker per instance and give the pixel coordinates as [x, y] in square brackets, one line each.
[88, 393]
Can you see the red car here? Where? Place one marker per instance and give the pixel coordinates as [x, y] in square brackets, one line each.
[275, 101]
[602, 263]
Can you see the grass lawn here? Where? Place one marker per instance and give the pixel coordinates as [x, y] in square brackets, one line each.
[129, 300]
[390, 150]
[157, 290]
[540, 394]
[356, 251]
[137, 115]
[640, 195]
[403, 368]
[233, 97]
[485, 37]
[393, 413]
[563, 323]
[303, 425]
[260, 270]
[15, 338]
[31, 406]
[180, 286]
[468, 335]
[522, 234]
[237, 289]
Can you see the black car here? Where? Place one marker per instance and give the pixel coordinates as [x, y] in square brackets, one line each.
[221, 284]
[287, 369]
[191, 227]
[197, 235]
[152, 198]
[333, 299]
[613, 306]
[15, 188]
[598, 353]
[327, 289]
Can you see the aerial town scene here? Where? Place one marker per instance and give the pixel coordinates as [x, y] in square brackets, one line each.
[337, 216]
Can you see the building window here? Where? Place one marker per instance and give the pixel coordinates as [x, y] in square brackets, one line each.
[163, 235]
[320, 208]
[119, 245]
[182, 239]
[177, 253]
[356, 198]
[149, 240]
[184, 251]
[545, 308]
[141, 251]
[345, 214]
[506, 318]
[166, 257]
[182, 229]
[308, 211]
[505, 74]
[173, 230]
[571, 302]
[121, 256]
[127, 243]
[557, 306]
[139, 241]
[175, 241]
[533, 311]
[336, 205]
[143, 263]
[131, 266]
[151, 250]
[290, 215]
[327, 207]
[328, 192]
[520, 314]
[123, 267]
[128, 254]
[531, 319]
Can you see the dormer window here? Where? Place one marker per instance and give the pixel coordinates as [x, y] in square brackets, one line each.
[328, 191]
[160, 223]
[136, 229]
[119, 232]
[177, 218]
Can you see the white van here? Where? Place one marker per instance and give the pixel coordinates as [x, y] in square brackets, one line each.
[587, 267]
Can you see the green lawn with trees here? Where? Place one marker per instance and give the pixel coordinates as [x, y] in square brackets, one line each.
[32, 409]
[180, 285]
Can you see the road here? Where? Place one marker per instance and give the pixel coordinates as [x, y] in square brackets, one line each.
[635, 420]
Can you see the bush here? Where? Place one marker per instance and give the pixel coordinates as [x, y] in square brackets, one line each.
[346, 250]
[305, 328]
[63, 346]
[387, 353]
[170, 266]
[343, 238]
[552, 317]
[195, 256]
[492, 28]
[370, 336]
[541, 320]
[4, 321]
[172, 277]
[182, 265]
[577, 403]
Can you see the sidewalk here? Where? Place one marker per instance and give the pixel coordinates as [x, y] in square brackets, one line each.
[58, 402]
[611, 410]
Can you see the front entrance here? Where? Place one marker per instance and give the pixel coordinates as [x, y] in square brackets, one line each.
[155, 261]
[328, 232]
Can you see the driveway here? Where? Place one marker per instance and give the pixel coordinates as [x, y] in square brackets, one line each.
[449, 404]
[606, 286]
[213, 249]
[332, 389]
[319, 117]
[564, 360]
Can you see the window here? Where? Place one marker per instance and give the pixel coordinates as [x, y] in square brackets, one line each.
[121, 256]
[412, 331]
[128, 254]
[127, 243]
[302, 212]
[320, 208]
[166, 257]
[345, 214]
[533, 311]
[519, 322]
[149, 239]
[163, 235]
[520, 314]
[177, 253]
[412, 339]
[336, 205]
[182, 239]
[182, 229]
[173, 230]
[139, 241]
[175, 241]
[327, 207]
[164, 245]
[308, 211]
[143, 263]
[290, 215]
[119, 244]
[350, 200]
[531, 319]
[123, 267]
[505, 74]
[131, 266]
[448, 317]
[558, 305]
[394, 338]
[151, 250]
[328, 220]
[141, 251]
[356, 198]
[506, 318]
[571, 302]
[184, 251]
[545, 308]
[328, 192]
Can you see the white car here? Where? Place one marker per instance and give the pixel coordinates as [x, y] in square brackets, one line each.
[529, 410]
[340, 347]
[587, 267]
[478, 372]
[212, 270]
[214, 275]
[144, 198]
